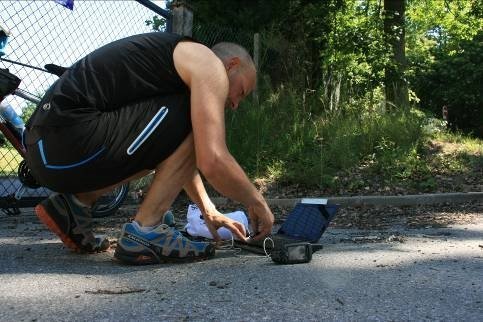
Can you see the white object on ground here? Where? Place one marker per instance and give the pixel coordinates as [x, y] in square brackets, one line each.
[196, 225]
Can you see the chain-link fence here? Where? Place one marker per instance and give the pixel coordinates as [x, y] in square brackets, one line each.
[45, 32]
[209, 35]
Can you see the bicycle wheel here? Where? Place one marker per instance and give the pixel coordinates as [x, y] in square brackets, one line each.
[107, 205]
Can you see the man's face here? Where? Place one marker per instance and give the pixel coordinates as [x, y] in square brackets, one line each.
[242, 82]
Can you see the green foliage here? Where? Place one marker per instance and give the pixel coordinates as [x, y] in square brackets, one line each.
[157, 24]
[356, 50]
[28, 110]
[279, 139]
[455, 80]
[336, 47]
[326, 61]
[444, 41]
[445, 23]
[275, 138]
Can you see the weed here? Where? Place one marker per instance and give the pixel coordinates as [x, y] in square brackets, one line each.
[281, 139]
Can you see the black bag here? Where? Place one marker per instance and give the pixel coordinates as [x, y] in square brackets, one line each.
[8, 82]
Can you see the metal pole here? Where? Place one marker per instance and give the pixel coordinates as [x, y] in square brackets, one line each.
[182, 19]
[256, 60]
[160, 11]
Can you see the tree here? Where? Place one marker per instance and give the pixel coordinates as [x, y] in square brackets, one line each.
[344, 54]
[444, 44]
[396, 87]
[455, 81]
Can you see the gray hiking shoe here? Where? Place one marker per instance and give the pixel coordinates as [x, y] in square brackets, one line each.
[72, 223]
[160, 245]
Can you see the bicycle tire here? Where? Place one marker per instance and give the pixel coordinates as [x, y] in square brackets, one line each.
[109, 204]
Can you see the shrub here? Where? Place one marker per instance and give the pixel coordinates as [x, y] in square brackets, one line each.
[282, 139]
[455, 81]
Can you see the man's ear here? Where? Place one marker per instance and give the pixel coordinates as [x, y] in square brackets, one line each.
[233, 63]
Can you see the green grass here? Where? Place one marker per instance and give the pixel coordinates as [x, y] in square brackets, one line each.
[284, 139]
[9, 161]
[467, 144]
[457, 153]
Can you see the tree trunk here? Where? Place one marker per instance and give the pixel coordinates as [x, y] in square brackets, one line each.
[394, 30]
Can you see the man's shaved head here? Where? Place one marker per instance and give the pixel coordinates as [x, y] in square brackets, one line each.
[228, 50]
[240, 69]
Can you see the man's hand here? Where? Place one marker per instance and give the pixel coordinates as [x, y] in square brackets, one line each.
[261, 220]
[214, 220]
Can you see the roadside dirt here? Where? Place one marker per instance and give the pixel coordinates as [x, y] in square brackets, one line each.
[371, 218]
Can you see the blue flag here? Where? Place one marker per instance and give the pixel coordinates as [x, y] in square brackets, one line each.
[66, 3]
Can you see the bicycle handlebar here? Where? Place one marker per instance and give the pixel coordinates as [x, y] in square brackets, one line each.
[55, 69]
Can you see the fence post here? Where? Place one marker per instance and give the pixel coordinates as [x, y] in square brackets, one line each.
[182, 17]
[256, 60]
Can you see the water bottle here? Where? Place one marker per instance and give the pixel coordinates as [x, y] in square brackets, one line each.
[11, 117]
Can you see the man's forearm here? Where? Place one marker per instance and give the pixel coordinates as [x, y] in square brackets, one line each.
[228, 178]
[197, 193]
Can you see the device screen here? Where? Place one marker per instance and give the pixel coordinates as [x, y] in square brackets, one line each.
[296, 253]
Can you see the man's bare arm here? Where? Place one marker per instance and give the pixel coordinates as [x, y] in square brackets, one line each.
[197, 193]
[206, 76]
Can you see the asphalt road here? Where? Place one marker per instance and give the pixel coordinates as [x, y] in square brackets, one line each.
[390, 275]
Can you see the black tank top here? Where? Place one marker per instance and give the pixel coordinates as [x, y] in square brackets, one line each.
[122, 72]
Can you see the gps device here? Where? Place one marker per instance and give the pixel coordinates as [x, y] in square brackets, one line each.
[292, 253]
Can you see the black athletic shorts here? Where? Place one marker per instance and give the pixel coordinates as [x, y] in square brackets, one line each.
[120, 143]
